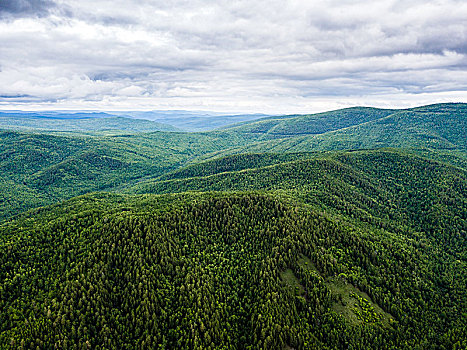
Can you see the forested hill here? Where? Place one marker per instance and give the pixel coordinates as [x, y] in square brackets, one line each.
[233, 270]
[440, 127]
[293, 125]
[114, 122]
[381, 187]
[40, 168]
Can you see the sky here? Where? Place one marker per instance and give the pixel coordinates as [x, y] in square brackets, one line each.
[231, 56]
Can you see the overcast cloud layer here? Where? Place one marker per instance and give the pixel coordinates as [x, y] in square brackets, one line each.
[256, 56]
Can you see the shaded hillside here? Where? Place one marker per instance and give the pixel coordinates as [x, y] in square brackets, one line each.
[319, 123]
[233, 271]
[39, 169]
[440, 127]
[235, 163]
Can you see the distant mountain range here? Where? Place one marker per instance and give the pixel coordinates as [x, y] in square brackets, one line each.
[125, 121]
[193, 121]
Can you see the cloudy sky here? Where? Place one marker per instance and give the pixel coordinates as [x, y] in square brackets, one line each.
[225, 55]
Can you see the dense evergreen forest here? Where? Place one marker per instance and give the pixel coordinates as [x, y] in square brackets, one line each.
[293, 232]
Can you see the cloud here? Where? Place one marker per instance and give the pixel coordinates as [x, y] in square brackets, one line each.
[25, 8]
[256, 56]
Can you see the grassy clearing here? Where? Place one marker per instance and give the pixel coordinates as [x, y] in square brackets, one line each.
[349, 301]
[292, 282]
[356, 306]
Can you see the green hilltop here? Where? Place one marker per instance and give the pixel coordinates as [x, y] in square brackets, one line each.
[311, 124]
[439, 127]
[381, 187]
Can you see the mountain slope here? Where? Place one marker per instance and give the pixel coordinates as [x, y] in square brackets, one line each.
[346, 249]
[320, 123]
[41, 169]
[190, 120]
[45, 168]
[440, 127]
[234, 270]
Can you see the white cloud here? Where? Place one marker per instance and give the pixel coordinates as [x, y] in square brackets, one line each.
[224, 55]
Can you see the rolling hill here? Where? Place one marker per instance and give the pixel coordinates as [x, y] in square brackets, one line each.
[380, 186]
[92, 122]
[48, 168]
[440, 127]
[192, 121]
[295, 125]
